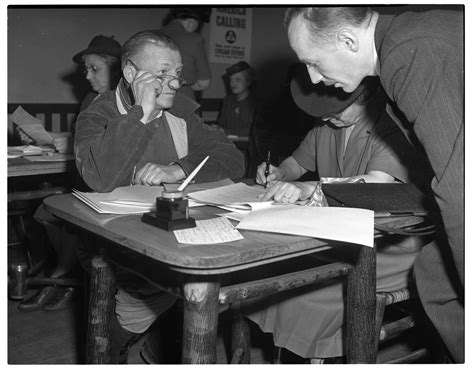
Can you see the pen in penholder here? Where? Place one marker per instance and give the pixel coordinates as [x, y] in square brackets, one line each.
[133, 175]
[267, 167]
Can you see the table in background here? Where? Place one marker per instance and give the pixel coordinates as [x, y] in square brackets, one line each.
[195, 273]
[24, 167]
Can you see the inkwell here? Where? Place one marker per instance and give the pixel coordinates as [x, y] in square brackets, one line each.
[172, 208]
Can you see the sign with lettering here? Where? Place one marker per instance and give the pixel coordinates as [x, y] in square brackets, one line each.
[230, 35]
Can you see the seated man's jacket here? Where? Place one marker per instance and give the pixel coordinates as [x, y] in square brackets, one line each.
[110, 144]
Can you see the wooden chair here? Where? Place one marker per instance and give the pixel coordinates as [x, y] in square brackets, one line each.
[383, 330]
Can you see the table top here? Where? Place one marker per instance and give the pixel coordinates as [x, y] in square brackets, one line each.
[24, 167]
[131, 232]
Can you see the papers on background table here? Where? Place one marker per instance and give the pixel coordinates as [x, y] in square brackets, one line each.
[212, 231]
[51, 157]
[238, 196]
[32, 126]
[28, 150]
[123, 200]
[351, 225]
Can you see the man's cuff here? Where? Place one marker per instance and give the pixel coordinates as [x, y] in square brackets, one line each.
[137, 111]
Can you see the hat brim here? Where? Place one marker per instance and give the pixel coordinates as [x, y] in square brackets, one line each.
[318, 99]
[96, 50]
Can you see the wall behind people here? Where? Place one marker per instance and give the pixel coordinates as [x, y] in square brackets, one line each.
[41, 41]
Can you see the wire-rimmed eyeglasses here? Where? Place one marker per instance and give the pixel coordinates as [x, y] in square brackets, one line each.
[92, 69]
[173, 81]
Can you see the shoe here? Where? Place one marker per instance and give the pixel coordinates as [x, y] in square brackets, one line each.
[64, 298]
[37, 301]
[158, 349]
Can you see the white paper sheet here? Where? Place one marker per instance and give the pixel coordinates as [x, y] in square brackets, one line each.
[351, 225]
[132, 199]
[237, 196]
[212, 231]
[32, 126]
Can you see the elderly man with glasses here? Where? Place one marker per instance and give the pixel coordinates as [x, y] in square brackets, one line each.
[146, 133]
[146, 125]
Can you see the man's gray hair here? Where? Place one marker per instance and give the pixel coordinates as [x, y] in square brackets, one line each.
[325, 21]
[137, 42]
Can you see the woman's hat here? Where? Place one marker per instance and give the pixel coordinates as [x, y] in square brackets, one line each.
[318, 99]
[100, 44]
[237, 67]
[199, 14]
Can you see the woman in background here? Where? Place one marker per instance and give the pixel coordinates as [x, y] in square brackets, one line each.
[100, 62]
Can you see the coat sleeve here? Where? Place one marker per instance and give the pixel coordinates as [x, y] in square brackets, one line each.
[225, 160]
[108, 145]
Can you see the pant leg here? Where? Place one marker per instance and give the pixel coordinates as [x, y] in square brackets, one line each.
[442, 299]
[138, 303]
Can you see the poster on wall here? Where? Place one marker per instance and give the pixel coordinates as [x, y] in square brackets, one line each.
[230, 35]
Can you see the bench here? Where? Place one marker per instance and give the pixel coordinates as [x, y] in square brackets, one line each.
[57, 117]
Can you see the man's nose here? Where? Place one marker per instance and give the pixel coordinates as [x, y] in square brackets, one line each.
[315, 76]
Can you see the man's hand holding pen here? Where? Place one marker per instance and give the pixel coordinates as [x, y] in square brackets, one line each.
[274, 174]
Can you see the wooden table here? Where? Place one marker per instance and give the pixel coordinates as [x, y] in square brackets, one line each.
[195, 273]
[24, 167]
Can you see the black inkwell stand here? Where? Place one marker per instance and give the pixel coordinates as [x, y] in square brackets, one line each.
[172, 212]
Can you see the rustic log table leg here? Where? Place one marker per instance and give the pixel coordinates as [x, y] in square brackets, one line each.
[200, 321]
[101, 310]
[361, 308]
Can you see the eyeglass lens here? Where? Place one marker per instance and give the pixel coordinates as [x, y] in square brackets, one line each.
[173, 82]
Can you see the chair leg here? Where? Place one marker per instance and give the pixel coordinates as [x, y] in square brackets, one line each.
[380, 303]
[240, 345]
[277, 351]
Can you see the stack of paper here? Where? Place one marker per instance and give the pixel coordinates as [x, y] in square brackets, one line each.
[134, 199]
[17, 151]
[123, 200]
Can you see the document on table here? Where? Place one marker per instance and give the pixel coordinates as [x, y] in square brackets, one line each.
[132, 199]
[238, 196]
[350, 225]
[212, 231]
[28, 150]
[51, 157]
[123, 200]
[32, 126]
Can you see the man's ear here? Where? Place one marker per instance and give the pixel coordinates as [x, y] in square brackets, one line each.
[129, 73]
[348, 39]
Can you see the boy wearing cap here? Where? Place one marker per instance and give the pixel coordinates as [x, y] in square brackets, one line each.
[358, 141]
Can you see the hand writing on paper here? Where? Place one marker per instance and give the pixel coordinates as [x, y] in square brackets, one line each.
[155, 174]
[274, 175]
[288, 192]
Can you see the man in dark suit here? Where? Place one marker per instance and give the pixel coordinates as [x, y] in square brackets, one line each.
[419, 58]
